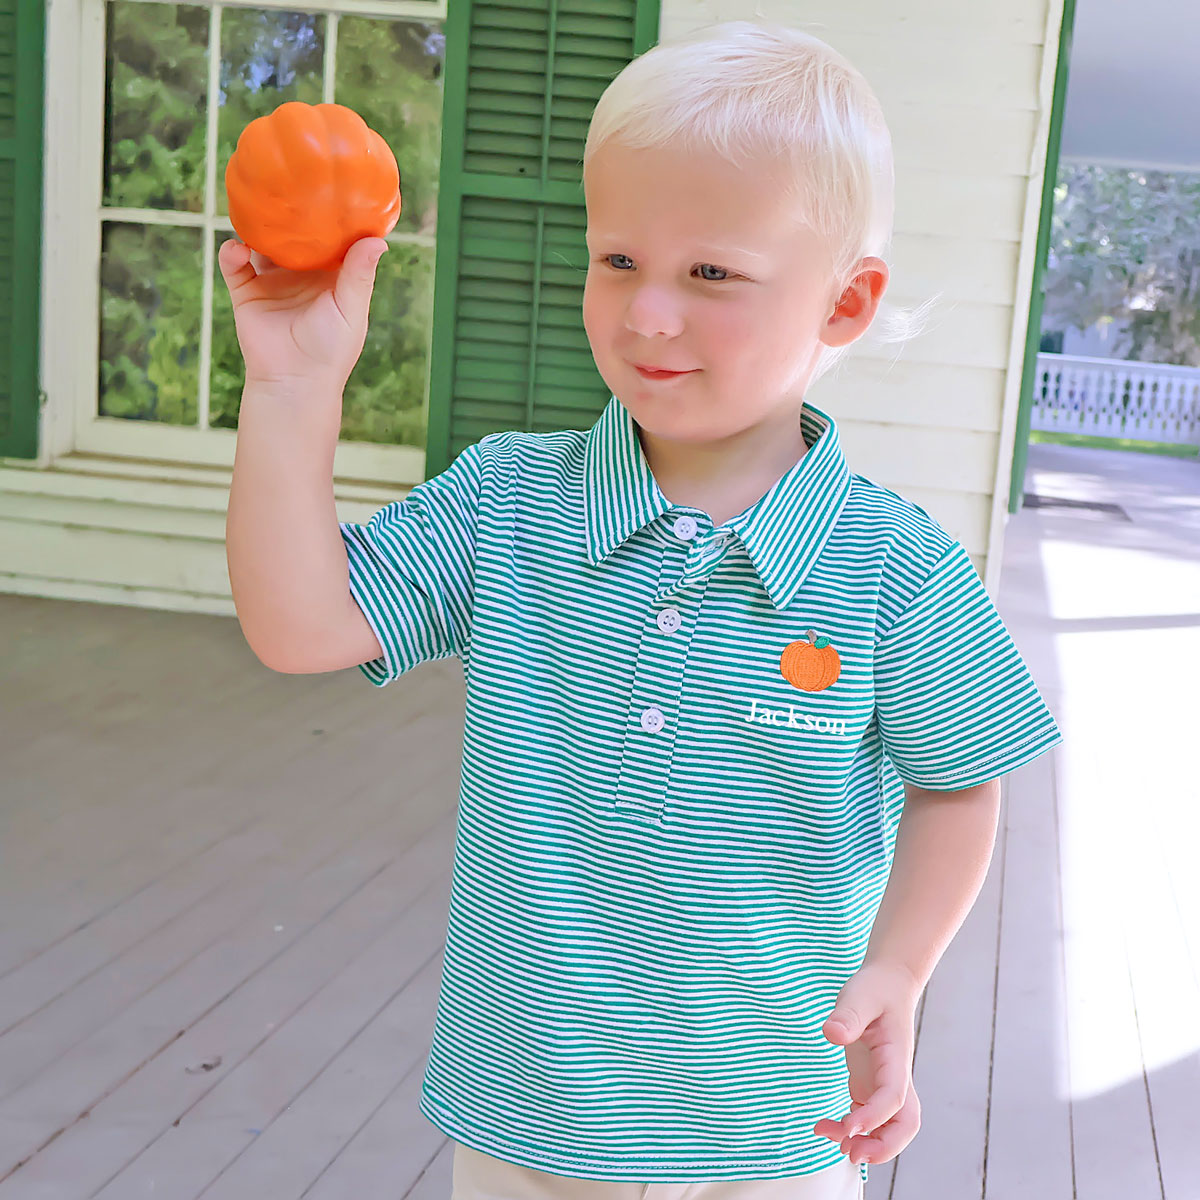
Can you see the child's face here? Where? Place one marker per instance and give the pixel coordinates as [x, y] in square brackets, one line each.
[693, 265]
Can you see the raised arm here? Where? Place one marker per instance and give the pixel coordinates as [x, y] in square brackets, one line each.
[301, 334]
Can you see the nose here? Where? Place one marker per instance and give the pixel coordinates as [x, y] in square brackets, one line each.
[652, 313]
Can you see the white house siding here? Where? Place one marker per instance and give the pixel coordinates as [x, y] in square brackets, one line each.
[967, 90]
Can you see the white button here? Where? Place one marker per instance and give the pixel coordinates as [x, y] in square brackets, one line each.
[669, 620]
[653, 719]
[685, 527]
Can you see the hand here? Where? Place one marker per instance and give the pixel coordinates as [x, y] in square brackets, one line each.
[303, 328]
[877, 1007]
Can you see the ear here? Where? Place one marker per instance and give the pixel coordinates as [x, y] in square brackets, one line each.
[856, 307]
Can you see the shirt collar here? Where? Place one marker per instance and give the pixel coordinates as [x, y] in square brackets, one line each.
[784, 531]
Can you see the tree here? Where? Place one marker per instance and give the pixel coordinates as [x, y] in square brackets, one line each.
[1125, 244]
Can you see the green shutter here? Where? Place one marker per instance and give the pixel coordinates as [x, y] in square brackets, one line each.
[22, 47]
[509, 348]
[1033, 331]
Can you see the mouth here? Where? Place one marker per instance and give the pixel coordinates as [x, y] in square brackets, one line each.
[648, 373]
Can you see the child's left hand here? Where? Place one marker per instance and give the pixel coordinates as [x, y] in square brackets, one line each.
[878, 1004]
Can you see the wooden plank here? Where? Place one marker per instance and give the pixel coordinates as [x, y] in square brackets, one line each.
[936, 199]
[1015, 20]
[139, 777]
[940, 62]
[285, 849]
[961, 460]
[952, 1066]
[960, 333]
[1161, 933]
[195, 566]
[161, 520]
[435, 1183]
[56, 587]
[124, 870]
[1127, 804]
[283, 777]
[1029, 1135]
[67, 776]
[285, 900]
[64, 708]
[111, 777]
[905, 393]
[368, 1168]
[153, 909]
[166, 484]
[971, 269]
[317, 1081]
[302, 1044]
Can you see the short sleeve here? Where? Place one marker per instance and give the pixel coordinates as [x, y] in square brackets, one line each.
[412, 570]
[955, 702]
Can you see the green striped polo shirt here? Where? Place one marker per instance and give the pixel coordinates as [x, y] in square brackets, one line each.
[683, 768]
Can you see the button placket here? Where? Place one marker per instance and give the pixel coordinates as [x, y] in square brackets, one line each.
[704, 554]
[653, 714]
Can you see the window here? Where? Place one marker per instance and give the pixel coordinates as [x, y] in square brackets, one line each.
[174, 87]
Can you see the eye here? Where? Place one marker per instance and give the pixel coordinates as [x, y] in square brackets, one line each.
[723, 273]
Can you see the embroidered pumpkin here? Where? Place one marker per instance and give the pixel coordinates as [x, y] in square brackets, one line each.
[307, 181]
[810, 665]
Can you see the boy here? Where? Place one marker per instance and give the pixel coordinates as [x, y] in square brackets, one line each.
[736, 716]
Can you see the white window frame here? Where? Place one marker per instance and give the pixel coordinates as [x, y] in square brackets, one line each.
[71, 241]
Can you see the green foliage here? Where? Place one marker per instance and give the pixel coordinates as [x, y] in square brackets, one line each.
[154, 111]
[390, 73]
[150, 323]
[1123, 245]
[156, 128]
[1171, 449]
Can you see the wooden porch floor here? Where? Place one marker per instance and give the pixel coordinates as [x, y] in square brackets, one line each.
[224, 892]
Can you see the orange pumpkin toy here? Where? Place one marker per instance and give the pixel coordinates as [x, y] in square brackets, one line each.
[307, 181]
[811, 666]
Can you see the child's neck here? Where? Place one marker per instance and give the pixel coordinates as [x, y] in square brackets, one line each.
[723, 479]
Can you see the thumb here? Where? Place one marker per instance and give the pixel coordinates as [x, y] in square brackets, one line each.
[842, 1026]
[356, 278]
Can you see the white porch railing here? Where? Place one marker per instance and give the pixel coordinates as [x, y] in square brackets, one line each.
[1107, 397]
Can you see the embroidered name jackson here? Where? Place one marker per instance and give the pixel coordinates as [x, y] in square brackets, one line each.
[760, 714]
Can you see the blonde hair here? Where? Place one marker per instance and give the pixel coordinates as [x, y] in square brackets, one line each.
[757, 89]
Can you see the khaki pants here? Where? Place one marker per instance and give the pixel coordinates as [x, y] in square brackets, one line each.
[478, 1176]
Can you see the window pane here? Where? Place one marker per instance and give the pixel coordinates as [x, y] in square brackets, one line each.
[384, 400]
[390, 73]
[267, 58]
[150, 292]
[154, 122]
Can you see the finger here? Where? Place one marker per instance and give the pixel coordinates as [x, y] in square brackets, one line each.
[835, 1131]
[356, 279]
[233, 257]
[891, 1087]
[885, 1143]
